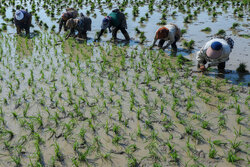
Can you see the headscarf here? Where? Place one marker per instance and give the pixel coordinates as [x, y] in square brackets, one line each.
[162, 33]
[65, 16]
[215, 50]
[19, 15]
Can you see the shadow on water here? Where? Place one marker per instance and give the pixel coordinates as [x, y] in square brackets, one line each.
[232, 76]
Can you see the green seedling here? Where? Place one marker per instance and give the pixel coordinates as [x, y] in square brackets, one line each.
[221, 32]
[116, 139]
[189, 45]
[205, 125]
[222, 121]
[58, 153]
[16, 160]
[235, 25]
[234, 144]
[242, 68]
[239, 119]
[219, 142]
[212, 152]
[231, 157]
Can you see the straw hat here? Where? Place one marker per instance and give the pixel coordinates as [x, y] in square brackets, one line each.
[19, 15]
[162, 33]
[215, 50]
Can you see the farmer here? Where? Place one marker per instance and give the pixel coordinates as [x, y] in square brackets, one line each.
[22, 20]
[81, 24]
[215, 51]
[170, 33]
[117, 21]
[70, 13]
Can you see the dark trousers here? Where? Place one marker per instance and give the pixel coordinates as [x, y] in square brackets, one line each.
[82, 34]
[123, 30]
[173, 45]
[25, 25]
[221, 66]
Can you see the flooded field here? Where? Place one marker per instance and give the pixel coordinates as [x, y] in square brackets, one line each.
[74, 103]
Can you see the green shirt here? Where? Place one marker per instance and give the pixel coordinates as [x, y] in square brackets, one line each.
[116, 19]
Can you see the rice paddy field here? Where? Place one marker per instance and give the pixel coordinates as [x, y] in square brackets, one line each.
[86, 103]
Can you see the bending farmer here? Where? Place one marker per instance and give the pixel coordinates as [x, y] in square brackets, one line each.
[117, 21]
[215, 51]
[81, 24]
[22, 20]
[70, 13]
[170, 33]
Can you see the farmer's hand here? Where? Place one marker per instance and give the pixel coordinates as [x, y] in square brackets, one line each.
[202, 68]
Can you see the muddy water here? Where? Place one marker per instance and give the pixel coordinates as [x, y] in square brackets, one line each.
[240, 53]
[71, 95]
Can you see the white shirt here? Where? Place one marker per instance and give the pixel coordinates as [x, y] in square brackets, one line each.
[226, 50]
[171, 34]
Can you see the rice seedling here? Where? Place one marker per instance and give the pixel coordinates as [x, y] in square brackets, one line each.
[242, 68]
[16, 160]
[235, 25]
[238, 133]
[205, 125]
[212, 152]
[188, 45]
[58, 153]
[207, 29]
[222, 121]
[116, 139]
[238, 111]
[239, 119]
[221, 32]
[72, 85]
[231, 157]
[235, 145]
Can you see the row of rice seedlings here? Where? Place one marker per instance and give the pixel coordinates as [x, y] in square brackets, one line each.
[57, 121]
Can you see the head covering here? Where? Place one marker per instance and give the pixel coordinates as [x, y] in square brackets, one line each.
[162, 33]
[215, 50]
[65, 16]
[106, 22]
[19, 15]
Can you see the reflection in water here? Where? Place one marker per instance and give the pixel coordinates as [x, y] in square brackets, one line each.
[232, 76]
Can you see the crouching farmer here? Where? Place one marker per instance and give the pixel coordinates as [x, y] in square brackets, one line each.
[70, 13]
[117, 21]
[81, 24]
[22, 20]
[216, 52]
[170, 33]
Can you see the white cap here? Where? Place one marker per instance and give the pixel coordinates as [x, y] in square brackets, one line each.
[19, 15]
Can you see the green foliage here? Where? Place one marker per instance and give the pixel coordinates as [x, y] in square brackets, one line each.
[207, 29]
